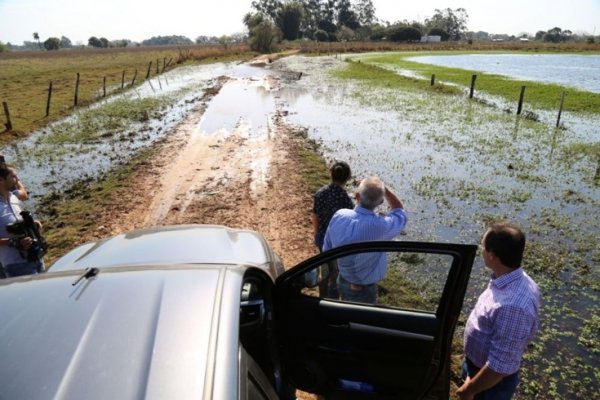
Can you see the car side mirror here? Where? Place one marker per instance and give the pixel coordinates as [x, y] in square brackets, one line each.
[316, 276]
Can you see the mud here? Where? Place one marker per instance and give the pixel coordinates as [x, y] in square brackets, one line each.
[230, 178]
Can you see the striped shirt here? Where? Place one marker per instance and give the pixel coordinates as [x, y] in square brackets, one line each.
[504, 320]
[362, 225]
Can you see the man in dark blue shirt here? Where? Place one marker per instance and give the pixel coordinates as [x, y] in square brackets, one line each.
[329, 199]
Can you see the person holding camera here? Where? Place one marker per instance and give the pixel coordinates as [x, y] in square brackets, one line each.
[18, 253]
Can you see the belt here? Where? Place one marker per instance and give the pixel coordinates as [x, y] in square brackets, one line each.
[355, 286]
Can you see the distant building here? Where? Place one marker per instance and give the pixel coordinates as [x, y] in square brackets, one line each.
[523, 39]
[431, 39]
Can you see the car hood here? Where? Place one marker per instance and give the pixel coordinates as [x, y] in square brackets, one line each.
[121, 334]
[189, 244]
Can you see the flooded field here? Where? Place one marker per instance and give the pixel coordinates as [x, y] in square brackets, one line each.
[455, 163]
[579, 71]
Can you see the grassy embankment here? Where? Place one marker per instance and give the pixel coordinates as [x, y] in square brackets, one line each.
[539, 95]
[25, 77]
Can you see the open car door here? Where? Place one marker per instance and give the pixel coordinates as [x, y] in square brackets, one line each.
[397, 348]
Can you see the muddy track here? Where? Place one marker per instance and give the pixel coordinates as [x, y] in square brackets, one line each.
[225, 179]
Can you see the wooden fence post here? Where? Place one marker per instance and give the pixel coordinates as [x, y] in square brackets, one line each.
[521, 96]
[562, 101]
[148, 73]
[157, 67]
[49, 98]
[8, 124]
[134, 76]
[104, 87]
[123, 80]
[164, 64]
[473, 79]
[75, 100]
[432, 79]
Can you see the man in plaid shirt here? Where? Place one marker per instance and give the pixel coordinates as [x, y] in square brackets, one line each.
[504, 320]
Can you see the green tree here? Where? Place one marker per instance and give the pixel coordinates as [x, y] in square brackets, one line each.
[454, 22]
[346, 15]
[65, 42]
[52, 43]
[94, 42]
[312, 16]
[36, 36]
[225, 41]
[263, 32]
[404, 34]
[252, 20]
[346, 34]
[263, 37]
[4, 48]
[321, 35]
[554, 35]
[378, 32]
[269, 8]
[104, 42]
[365, 10]
[289, 20]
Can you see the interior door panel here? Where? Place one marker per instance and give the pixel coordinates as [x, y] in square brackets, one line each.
[353, 350]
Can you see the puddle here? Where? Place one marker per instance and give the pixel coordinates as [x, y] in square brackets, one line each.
[248, 101]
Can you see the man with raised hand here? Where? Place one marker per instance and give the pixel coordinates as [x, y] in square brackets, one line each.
[359, 273]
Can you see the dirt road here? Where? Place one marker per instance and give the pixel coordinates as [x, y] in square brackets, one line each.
[225, 178]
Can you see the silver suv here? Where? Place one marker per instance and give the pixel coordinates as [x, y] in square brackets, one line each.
[207, 312]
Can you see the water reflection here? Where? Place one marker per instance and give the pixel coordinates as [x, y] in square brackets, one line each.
[579, 71]
[47, 167]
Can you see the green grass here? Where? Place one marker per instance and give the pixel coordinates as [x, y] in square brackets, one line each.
[106, 120]
[541, 95]
[25, 77]
[70, 217]
[375, 76]
[315, 173]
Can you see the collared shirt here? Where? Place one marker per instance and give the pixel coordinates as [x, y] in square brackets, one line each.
[327, 201]
[9, 213]
[362, 225]
[504, 320]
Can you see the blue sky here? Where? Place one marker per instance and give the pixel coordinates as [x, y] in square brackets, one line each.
[142, 19]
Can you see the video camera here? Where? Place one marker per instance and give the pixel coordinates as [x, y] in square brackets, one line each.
[28, 227]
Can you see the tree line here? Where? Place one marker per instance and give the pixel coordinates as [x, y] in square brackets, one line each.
[55, 43]
[272, 21]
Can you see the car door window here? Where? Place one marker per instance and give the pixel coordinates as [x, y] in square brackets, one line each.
[412, 280]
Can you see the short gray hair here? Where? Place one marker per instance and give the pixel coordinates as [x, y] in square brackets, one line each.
[371, 191]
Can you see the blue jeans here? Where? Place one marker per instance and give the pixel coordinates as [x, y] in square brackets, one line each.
[503, 390]
[24, 268]
[357, 293]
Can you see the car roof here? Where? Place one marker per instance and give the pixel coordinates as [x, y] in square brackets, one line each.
[181, 244]
[125, 333]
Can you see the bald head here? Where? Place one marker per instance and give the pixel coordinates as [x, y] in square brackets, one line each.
[371, 192]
